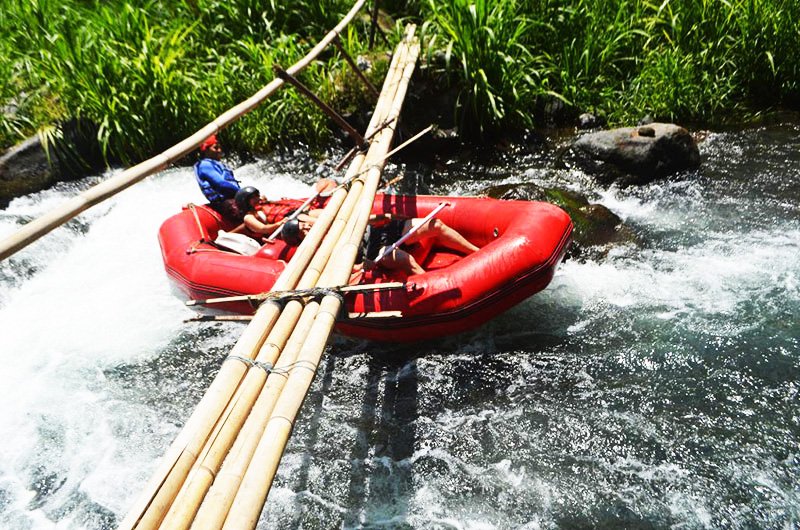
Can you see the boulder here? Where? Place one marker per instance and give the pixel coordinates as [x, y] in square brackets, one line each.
[70, 152]
[587, 120]
[634, 155]
[24, 168]
[597, 229]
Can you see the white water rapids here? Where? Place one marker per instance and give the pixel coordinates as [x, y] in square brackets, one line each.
[655, 388]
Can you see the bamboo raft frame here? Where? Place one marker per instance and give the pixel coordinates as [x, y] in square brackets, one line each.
[219, 470]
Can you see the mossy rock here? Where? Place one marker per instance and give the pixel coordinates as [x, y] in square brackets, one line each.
[597, 229]
[68, 152]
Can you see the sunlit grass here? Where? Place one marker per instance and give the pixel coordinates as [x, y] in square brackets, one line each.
[149, 72]
[700, 60]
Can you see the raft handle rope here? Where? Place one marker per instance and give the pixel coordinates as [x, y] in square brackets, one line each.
[194, 247]
[203, 236]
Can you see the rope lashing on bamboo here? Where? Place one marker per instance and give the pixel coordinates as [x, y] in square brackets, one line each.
[267, 367]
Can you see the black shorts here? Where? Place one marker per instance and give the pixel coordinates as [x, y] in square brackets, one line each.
[382, 236]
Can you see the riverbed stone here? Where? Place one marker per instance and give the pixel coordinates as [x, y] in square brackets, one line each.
[588, 120]
[597, 229]
[634, 155]
[69, 153]
[24, 168]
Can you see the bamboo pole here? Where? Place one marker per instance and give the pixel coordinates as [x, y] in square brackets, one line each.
[220, 494]
[185, 505]
[158, 496]
[160, 492]
[195, 487]
[356, 70]
[85, 200]
[256, 483]
[222, 410]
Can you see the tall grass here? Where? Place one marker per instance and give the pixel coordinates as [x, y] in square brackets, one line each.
[703, 60]
[151, 71]
[484, 45]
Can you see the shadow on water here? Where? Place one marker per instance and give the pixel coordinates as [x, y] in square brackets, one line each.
[315, 403]
[385, 445]
[377, 470]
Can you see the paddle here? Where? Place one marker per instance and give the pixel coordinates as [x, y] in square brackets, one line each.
[411, 232]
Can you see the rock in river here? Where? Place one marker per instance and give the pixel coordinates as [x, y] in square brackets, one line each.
[634, 155]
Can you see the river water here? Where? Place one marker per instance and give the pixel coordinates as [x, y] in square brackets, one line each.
[654, 388]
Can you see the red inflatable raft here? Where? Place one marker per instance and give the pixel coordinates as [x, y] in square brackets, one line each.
[521, 243]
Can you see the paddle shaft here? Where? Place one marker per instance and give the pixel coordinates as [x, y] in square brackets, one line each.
[294, 215]
[411, 232]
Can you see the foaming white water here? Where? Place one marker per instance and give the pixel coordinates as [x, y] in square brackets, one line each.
[721, 257]
[98, 298]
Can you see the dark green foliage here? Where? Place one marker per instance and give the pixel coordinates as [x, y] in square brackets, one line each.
[484, 46]
[674, 59]
[149, 72]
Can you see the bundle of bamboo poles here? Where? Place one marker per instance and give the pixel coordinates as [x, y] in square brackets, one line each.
[96, 194]
[218, 472]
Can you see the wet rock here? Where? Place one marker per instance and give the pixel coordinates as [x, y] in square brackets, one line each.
[554, 112]
[587, 120]
[69, 152]
[24, 168]
[634, 155]
[597, 229]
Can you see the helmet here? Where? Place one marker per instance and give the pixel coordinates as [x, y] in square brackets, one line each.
[243, 197]
[291, 232]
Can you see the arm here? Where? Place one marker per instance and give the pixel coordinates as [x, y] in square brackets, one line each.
[255, 225]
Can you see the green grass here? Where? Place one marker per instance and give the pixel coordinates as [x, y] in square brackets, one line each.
[693, 60]
[149, 72]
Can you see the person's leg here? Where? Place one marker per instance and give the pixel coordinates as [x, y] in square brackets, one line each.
[443, 234]
[402, 260]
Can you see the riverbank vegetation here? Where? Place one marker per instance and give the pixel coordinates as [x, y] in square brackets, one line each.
[149, 72]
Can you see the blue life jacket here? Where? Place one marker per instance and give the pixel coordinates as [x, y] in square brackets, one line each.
[215, 179]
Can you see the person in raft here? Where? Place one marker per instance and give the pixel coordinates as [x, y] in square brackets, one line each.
[385, 229]
[220, 187]
[216, 180]
[248, 202]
